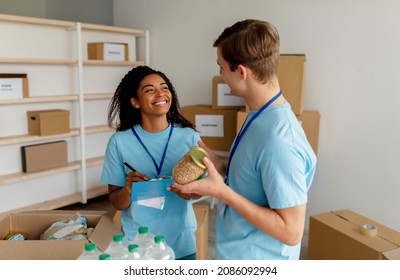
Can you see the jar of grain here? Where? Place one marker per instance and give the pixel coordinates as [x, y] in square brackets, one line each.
[190, 167]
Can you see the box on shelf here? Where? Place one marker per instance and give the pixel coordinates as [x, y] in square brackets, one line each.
[201, 212]
[13, 86]
[291, 75]
[108, 51]
[34, 223]
[222, 97]
[309, 120]
[48, 122]
[340, 235]
[217, 127]
[44, 156]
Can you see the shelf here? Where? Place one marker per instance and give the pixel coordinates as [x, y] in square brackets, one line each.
[15, 60]
[68, 54]
[39, 21]
[96, 96]
[55, 98]
[21, 176]
[129, 31]
[112, 63]
[61, 201]
[40, 99]
[18, 139]
[25, 138]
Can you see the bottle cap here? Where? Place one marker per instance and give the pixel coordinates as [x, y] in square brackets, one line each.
[118, 238]
[197, 154]
[143, 230]
[159, 239]
[90, 246]
[105, 256]
[133, 248]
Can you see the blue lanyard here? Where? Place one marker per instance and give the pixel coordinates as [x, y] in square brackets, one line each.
[158, 167]
[243, 130]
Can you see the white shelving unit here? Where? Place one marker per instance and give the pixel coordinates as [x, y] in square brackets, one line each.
[54, 55]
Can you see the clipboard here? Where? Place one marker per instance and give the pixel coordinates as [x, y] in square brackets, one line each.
[152, 188]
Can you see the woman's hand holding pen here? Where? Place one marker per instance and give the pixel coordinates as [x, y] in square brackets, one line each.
[133, 176]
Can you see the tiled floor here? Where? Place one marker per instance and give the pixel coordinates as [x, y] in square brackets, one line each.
[103, 204]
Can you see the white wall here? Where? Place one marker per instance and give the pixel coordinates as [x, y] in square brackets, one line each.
[352, 79]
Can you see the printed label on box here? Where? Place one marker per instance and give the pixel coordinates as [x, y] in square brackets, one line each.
[11, 88]
[210, 125]
[114, 52]
[225, 97]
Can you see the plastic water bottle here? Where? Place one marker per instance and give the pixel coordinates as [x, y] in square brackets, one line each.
[144, 239]
[160, 250]
[117, 248]
[104, 256]
[90, 252]
[134, 253]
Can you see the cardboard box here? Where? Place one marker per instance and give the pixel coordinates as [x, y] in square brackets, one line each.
[201, 212]
[338, 235]
[309, 120]
[291, 75]
[222, 97]
[217, 127]
[48, 122]
[34, 223]
[14, 86]
[241, 117]
[108, 51]
[44, 156]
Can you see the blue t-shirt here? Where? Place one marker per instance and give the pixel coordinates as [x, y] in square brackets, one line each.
[175, 220]
[273, 166]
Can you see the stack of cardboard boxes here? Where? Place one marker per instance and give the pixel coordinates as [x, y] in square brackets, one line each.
[219, 123]
[43, 156]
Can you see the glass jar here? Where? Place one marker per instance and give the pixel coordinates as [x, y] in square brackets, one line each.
[190, 167]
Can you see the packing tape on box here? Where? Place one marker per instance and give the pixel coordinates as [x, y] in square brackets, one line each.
[369, 230]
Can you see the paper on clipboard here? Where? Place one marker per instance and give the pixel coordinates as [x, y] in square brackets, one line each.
[151, 189]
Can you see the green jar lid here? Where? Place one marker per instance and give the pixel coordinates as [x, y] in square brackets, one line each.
[197, 154]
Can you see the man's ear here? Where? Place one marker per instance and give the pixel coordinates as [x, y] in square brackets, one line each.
[134, 103]
[243, 71]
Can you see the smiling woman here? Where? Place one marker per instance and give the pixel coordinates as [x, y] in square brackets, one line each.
[151, 136]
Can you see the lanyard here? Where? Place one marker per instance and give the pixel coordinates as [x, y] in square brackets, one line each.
[158, 167]
[243, 130]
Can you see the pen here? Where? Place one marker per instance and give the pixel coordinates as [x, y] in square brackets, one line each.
[129, 166]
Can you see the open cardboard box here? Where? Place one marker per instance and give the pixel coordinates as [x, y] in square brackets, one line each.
[338, 235]
[201, 211]
[34, 223]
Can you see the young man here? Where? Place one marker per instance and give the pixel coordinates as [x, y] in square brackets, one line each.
[262, 209]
